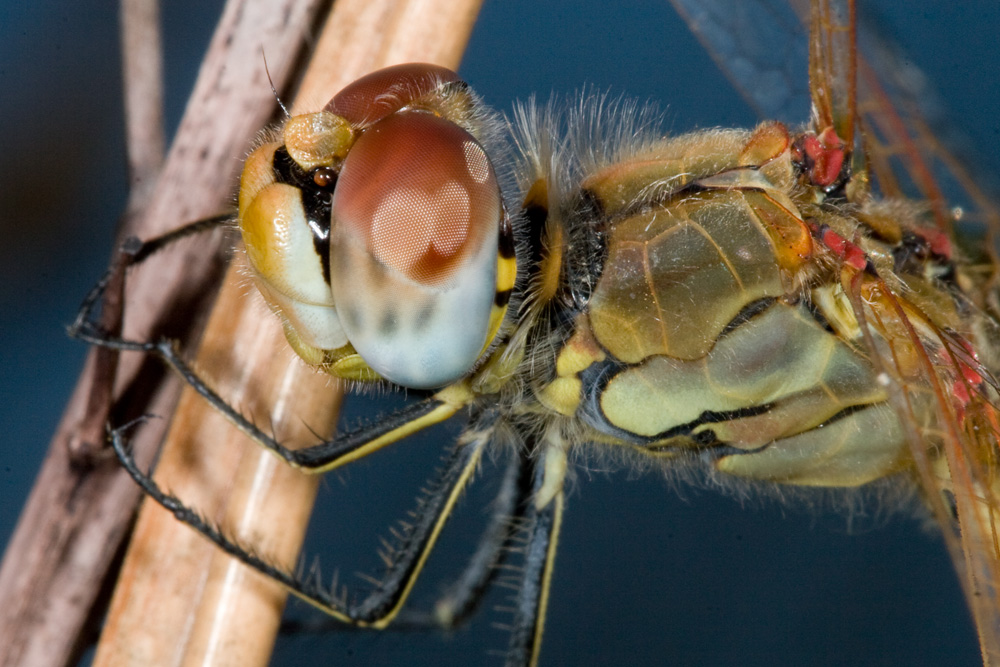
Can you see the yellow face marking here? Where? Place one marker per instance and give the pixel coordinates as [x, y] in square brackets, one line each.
[318, 139]
[258, 173]
[353, 367]
[313, 356]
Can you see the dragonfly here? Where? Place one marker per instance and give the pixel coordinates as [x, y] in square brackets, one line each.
[844, 249]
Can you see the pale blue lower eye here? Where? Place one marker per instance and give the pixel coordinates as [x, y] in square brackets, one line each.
[411, 334]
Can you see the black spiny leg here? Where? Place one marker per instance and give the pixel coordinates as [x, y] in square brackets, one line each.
[539, 558]
[133, 252]
[379, 608]
[345, 447]
[323, 457]
[466, 592]
[539, 550]
[109, 295]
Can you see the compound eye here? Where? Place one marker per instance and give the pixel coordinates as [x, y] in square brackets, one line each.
[420, 194]
[416, 219]
[384, 92]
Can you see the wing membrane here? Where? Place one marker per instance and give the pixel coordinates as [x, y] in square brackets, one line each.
[761, 48]
[948, 405]
[945, 395]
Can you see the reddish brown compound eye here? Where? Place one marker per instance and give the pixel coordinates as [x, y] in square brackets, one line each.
[420, 194]
[413, 248]
[384, 92]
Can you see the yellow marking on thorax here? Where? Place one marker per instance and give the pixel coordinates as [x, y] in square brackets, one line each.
[506, 275]
[563, 394]
[551, 264]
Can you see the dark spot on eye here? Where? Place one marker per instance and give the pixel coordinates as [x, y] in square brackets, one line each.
[352, 317]
[389, 323]
[424, 317]
[343, 265]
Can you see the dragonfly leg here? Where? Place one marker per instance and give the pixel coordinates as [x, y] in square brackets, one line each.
[100, 318]
[133, 252]
[543, 523]
[379, 608]
[462, 598]
[321, 457]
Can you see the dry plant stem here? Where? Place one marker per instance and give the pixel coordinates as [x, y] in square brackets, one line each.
[142, 75]
[179, 600]
[142, 72]
[173, 593]
[78, 511]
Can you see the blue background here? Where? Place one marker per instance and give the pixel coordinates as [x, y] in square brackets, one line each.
[644, 571]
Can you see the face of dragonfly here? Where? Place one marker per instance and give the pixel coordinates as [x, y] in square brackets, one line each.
[633, 334]
[389, 186]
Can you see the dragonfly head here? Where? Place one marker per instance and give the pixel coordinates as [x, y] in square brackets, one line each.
[373, 229]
